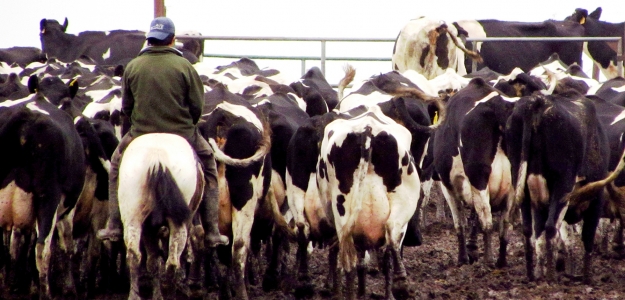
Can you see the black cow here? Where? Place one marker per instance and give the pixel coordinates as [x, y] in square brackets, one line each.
[22, 56]
[503, 57]
[110, 48]
[556, 175]
[116, 47]
[604, 54]
[469, 157]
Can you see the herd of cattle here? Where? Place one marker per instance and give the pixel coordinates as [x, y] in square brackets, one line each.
[300, 162]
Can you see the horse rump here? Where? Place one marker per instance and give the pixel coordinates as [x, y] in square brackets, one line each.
[167, 198]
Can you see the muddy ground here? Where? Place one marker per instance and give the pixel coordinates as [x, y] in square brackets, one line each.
[434, 274]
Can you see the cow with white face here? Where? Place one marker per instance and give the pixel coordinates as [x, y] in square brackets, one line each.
[368, 177]
[603, 54]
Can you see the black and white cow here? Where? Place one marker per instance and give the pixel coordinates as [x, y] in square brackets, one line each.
[558, 178]
[41, 180]
[367, 175]
[612, 91]
[469, 157]
[315, 90]
[22, 56]
[603, 54]
[241, 140]
[430, 47]
[503, 57]
[12, 88]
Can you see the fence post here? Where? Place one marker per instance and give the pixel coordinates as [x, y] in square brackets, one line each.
[619, 54]
[473, 61]
[303, 66]
[323, 57]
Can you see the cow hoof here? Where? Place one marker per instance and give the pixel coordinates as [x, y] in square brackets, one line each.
[401, 288]
[304, 290]
[270, 281]
[501, 263]
[473, 256]
[145, 287]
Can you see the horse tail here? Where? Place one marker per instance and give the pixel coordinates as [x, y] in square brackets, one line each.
[167, 197]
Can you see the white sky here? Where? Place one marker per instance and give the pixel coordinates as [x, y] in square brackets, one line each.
[19, 25]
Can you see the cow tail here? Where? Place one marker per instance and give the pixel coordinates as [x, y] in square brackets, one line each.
[167, 197]
[526, 140]
[579, 193]
[553, 82]
[473, 54]
[347, 251]
[263, 149]
[350, 73]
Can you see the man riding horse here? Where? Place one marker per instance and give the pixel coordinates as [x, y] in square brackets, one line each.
[163, 93]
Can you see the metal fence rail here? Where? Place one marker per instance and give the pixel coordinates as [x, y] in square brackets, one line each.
[323, 41]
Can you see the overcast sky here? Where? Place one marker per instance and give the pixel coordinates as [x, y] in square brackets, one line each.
[279, 18]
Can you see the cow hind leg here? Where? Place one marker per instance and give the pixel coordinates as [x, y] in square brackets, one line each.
[457, 212]
[386, 269]
[591, 220]
[43, 252]
[17, 275]
[472, 247]
[362, 273]
[196, 257]
[66, 243]
[505, 225]
[618, 247]
[401, 286]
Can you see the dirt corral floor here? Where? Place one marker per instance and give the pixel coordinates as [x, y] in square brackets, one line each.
[432, 269]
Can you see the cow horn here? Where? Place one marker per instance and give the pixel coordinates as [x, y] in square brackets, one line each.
[579, 192]
[65, 25]
[473, 54]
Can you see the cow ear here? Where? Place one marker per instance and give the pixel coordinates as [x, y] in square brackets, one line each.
[595, 14]
[73, 88]
[65, 25]
[580, 15]
[33, 84]
[42, 25]
[119, 71]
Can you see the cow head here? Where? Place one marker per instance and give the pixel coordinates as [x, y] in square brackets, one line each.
[50, 32]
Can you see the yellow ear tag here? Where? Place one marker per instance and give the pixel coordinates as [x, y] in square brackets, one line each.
[73, 82]
[582, 21]
[435, 117]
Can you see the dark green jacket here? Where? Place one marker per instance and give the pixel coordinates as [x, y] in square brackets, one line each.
[162, 93]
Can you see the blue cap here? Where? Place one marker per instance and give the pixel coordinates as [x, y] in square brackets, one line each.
[161, 28]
